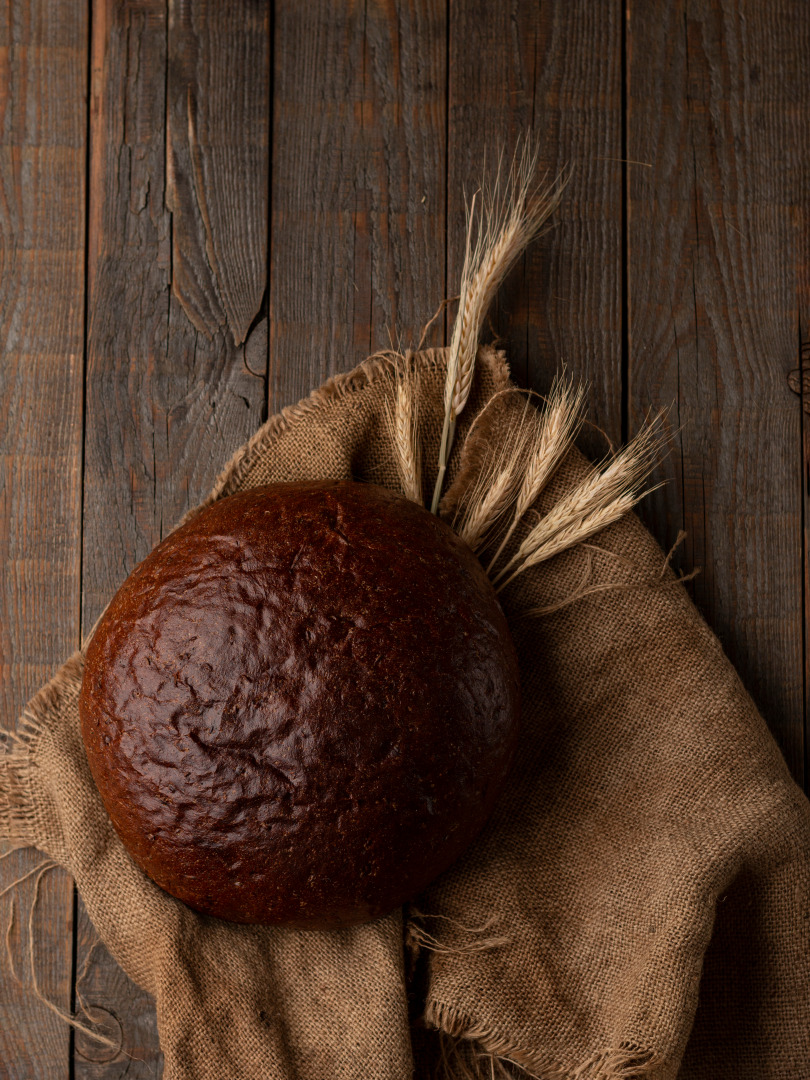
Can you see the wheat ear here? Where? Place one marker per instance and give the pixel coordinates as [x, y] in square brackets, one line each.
[600, 499]
[496, 488]
[449, 423]
[403, 428]
[553, 435]
[513, 210]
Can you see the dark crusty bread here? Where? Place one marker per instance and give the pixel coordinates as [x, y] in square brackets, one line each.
[300, 707]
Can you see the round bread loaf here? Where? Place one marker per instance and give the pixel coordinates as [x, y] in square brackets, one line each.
[300, 707]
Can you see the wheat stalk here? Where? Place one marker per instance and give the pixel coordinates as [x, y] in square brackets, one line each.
[557, 428]
[600, 499]
[403, 428]
[496, 488]
[512, 214]
[513, 211]
[502, 219]
[449, 423]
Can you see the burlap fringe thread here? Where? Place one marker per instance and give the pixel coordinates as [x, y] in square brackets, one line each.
[475, 1052]
[18, 813]
[481, 938]
[20, 817]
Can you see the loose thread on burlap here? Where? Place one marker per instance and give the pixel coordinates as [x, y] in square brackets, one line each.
[86, 1010]
[452, 1063]
[679, 539]
[118, 1049]
[627, 1062]
[417, 914]
[77, 1024]
[40, 870]
[584, 590]
[49, 864]
[464, 1059]
[82, 1001]
[460, 1059]
[419, 936]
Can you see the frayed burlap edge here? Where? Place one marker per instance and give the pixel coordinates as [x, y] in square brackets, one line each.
[380, 365]
[336, 387]
[27, 812]
[489, 1051]
[17, 818]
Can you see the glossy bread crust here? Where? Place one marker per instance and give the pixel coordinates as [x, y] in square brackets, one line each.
[301, 706]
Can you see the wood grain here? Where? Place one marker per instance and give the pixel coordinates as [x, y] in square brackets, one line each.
[217, 156]
[43, 77]
[715, 260]
[555, 70]
[358, 184]
[166, 404]
[129, 262]
[684, 231]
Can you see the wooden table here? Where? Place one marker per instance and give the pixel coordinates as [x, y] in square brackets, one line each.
[206, 209]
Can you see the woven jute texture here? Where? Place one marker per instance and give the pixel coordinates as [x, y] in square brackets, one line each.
[649, 860]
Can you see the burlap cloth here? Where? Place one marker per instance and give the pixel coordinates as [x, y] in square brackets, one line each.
[649, 858]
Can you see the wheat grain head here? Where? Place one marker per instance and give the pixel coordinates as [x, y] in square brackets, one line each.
[512, 210]
[553, 435]
[496, 487]
[597, 501]
[402, 418]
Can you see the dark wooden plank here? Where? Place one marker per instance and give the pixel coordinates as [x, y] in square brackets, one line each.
[109, 1002]
[804, 369]
[799, 383]
[552, 69]
[216, 185]
[166, 405]
[358, 184]
[128, 273]
[43, 118]
[715, 257]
